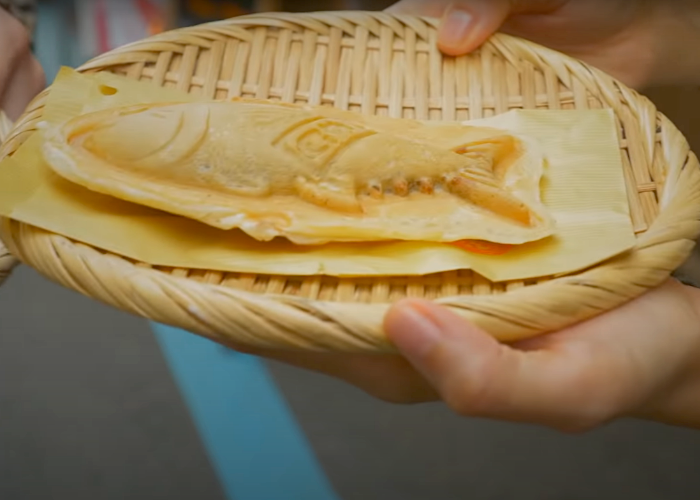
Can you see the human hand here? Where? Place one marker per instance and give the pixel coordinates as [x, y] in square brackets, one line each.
[639, 360]
[642, 43]
[21, 76]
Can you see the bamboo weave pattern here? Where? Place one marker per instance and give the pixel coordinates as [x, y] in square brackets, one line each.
[383, 64]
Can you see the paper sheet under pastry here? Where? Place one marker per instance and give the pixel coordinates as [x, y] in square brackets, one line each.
[583, 188]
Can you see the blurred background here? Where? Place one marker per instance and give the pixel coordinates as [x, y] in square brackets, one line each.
[95, 404]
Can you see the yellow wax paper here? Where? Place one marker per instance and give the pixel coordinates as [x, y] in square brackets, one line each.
[583, 188]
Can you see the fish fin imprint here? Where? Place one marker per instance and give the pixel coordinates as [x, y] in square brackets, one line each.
[339, 195]
[480, 181]
[489, 197]
[493, 154]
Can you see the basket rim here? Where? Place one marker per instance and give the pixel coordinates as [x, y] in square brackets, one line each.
[288, 322]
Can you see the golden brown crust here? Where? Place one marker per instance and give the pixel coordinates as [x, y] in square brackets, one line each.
[255, 163]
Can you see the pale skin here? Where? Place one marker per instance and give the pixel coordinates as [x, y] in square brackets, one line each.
[641, 360]
[21, 75]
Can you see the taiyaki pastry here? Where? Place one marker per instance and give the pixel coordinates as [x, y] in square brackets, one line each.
[311, 174]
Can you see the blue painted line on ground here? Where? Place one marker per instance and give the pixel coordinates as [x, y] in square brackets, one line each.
[253, 440]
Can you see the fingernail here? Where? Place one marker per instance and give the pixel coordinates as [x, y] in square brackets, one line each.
[413, 333]
[455, 27]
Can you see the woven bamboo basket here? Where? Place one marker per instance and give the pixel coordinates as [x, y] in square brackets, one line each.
[379, 63]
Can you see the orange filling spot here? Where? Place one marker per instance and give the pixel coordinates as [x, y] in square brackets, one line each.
[482, 247]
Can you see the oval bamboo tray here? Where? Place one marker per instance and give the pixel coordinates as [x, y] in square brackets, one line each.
[380, 63]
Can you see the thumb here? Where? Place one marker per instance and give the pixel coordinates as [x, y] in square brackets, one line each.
[478, 376]
[466, 24]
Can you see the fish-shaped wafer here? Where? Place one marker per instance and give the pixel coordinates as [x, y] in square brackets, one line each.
[310, 174]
